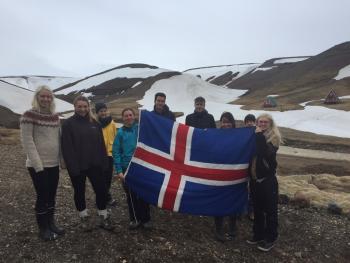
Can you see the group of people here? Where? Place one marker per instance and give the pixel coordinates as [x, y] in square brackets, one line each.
[91, 147]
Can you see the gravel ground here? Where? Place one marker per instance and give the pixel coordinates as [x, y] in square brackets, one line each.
[306, 235]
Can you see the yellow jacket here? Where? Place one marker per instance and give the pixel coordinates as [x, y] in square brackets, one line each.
[109, 133]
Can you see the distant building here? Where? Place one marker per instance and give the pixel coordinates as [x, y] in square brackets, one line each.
[270, 102]
[332, 98]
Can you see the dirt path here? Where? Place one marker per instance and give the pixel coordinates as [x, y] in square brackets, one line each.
[316, 154]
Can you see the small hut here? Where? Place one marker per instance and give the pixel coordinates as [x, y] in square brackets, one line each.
[332, 98]
[270, 102]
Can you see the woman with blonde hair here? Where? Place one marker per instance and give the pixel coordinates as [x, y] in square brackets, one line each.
[264, 185]
[85, 156]
[40, 136]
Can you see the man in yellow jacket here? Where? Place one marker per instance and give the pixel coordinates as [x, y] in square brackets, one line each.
[109, 130]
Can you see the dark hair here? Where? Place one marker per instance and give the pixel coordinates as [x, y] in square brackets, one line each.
[128, 109]
[199, 99]
[99, 106]
[160, 94]
[249, 117]
[229, 117]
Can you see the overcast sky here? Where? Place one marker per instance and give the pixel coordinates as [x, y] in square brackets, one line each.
[83, 37]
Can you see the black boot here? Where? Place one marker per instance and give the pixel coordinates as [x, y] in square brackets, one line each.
[44, 231]
[219, 228]
[52, 224]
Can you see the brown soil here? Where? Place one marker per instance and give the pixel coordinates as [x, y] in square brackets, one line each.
[306, 235]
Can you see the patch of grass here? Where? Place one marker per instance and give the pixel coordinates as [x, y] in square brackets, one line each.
[9, 136]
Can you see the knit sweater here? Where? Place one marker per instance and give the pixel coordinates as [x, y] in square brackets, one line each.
[40, 136]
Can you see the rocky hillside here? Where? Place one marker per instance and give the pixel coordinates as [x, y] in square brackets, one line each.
[295, 83]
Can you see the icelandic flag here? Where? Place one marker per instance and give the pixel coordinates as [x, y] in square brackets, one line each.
[190, 170]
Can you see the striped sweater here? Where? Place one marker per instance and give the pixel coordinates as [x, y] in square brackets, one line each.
[40, 136]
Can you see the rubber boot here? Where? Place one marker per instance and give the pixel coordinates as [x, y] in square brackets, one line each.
[219, 228]
[51, 222]
[44, 231]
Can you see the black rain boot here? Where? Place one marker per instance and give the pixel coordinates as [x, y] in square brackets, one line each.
[219, 228]
[232, 227]
[44, 232]
[51, 222]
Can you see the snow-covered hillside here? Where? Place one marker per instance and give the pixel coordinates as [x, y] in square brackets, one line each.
[32, 82]
[212, 73]
[19, 99]
[182, 89]
[125, 72]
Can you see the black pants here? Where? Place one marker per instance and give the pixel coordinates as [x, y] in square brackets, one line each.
[138, 209]
[98, 183]
[219, 223]
[108, 177]
[45, 184]
[265, 202]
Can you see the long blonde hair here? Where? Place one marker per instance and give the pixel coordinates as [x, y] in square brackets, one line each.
[85, 99]
[35, 101]
[272, 134]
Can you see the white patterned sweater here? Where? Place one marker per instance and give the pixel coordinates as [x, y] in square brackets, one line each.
[40, 136]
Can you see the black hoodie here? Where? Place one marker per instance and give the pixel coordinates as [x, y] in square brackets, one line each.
[165, 112]
[202, 120]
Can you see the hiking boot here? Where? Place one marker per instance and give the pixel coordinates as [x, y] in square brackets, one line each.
[134, 225]
[86, 224]
[266, 246]
[106, 223]
[254, 241]
[147, 225]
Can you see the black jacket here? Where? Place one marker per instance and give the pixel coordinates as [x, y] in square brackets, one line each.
[266, 162]
[202, 120]
[165, 113]
[82, 145]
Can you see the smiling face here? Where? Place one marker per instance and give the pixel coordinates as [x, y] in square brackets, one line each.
[45, 99]
[159, 103]
[199, 106]
[249, 123]
[226, 124]
[81, 108]
[128, 118]
[264, 123]
[103, 113]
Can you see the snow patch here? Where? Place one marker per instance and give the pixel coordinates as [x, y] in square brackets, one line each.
[289, 60]
[343, 73]
[117, 73]
[32, 82]
[19, 100]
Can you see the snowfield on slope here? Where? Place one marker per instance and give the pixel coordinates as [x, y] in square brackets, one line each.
[19, 100]
[126, 72]
[182, 89]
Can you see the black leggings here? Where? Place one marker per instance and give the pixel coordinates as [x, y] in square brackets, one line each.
[265, 202]
[45, 183]
[98, 183]
[108, 177]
